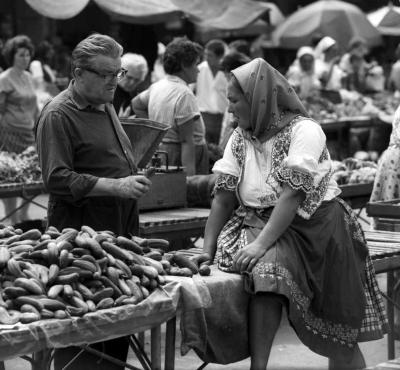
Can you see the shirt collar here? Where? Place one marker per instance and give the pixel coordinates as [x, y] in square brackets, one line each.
[175, 79]
[79, 100]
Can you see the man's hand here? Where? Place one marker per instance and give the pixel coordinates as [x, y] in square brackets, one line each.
[133, 187]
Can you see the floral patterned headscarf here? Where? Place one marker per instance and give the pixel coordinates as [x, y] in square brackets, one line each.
[273, 102]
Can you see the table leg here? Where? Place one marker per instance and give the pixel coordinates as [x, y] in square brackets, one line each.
[42, 360]
[390, 313]
[156, 348]
[170, 336]
[142, 338]
[2, 367]
[139, 352]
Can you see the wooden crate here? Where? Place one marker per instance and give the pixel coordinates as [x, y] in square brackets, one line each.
[389, 209]
[356, 190]
[168, 190]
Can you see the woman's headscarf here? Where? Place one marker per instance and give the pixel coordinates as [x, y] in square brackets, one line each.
[305, 50]
[273, 102]
[324, 44]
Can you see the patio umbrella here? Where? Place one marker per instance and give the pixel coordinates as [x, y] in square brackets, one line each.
[386, 20]
[334, 18]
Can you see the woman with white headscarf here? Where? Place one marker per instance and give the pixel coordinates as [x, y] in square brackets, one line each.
[326, 65]
[301, 74]
[277, 220]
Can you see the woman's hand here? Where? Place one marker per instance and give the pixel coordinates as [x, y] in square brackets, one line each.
[247, 257]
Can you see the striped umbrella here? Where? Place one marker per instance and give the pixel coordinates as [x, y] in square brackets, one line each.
[334, 18]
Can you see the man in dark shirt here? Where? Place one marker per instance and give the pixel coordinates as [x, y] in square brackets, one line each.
[87, 163]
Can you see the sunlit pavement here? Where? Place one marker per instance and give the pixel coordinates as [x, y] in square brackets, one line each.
[288, 353]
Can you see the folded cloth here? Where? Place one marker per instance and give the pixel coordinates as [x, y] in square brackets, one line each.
[218, 332]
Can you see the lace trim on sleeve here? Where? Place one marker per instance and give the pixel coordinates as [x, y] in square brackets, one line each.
[296, 179]
[225, 182]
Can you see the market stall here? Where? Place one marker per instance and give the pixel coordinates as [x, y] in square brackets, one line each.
[70, 287]
[20, 176]
[227, 293]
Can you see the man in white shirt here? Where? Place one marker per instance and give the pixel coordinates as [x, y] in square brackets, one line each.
[211, 89]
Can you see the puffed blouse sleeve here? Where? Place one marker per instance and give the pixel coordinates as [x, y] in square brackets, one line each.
[302, 169]
[228, 167]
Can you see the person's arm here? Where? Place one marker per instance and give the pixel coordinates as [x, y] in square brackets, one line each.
[326, 76]
[188, 152]
[281, 217]
[140, 106]
[222, 206]
[132, 187]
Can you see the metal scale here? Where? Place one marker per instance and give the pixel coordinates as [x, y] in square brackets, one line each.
[168, 188]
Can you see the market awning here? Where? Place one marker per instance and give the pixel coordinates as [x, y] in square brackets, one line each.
[221, 14]
[133, 11]
[58, 9]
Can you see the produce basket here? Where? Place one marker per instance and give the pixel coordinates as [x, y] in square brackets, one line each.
[145, 135]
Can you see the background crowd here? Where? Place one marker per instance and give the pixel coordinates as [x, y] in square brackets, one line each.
[192, 100]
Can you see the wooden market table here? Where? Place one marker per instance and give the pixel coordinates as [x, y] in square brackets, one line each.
[41, 337]
[356, 195]
[175, 224]
[27, 191]
[340, 129]
[384, 249]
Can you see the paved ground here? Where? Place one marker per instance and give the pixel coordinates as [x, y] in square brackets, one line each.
[288, 352]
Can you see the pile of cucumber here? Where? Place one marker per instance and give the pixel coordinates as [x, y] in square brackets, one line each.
[59, 274]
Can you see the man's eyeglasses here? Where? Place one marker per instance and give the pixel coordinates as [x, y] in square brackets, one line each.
[108, 77]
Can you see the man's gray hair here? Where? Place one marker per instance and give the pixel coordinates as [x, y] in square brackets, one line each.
[92, 46]
[136, 62]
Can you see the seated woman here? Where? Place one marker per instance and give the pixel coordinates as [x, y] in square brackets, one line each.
[301, 74]
[276, 218]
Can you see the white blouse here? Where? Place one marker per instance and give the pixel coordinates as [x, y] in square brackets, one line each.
[265, 166]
